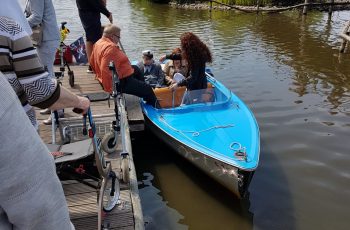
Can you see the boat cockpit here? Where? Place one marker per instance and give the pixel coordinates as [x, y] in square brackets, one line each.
[182, 98]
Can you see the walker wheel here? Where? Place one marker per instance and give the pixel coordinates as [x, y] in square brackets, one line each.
[71, 78]
[108, 143]
[125, 170]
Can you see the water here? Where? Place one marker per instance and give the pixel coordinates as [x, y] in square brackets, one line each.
[288, 70]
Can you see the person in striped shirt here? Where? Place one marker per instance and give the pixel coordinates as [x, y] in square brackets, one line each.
[31, 195]
[33, 85]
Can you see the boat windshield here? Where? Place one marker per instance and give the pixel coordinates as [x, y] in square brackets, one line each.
[181, 97]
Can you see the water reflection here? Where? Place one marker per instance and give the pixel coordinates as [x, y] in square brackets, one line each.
[270, 184]
[157, 215]
[181, 186]
[314, 61]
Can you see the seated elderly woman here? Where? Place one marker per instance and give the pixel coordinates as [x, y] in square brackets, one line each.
[152, 71]
[177, 68]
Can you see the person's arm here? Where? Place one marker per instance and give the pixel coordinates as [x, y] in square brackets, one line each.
[161, 77]
[37, 12]
[68, 99]
[173, 56]
[31, 195]
[170, 56]
[168, 78]
[193, 77]
[41, 89]
[100, 7]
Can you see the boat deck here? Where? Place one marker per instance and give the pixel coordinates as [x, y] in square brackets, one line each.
[82, 199]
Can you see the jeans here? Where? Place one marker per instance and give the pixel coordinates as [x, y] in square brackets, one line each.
[46, 52]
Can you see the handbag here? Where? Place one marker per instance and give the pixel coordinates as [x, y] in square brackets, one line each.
[37, 35]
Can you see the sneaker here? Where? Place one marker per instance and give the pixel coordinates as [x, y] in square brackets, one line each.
[89, 70]
[48, 121]
[45, 111]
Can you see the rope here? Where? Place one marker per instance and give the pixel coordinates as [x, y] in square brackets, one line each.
[239, 152]
[196, 133]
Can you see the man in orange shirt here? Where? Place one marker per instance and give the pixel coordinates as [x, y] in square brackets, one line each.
[132, 81]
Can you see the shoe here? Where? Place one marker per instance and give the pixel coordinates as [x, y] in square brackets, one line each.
[48, 121]
[89, 70]
[45, 111]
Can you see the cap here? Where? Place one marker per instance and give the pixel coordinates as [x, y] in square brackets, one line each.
[147, 53]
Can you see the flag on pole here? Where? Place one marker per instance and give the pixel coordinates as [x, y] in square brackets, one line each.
[79, 51]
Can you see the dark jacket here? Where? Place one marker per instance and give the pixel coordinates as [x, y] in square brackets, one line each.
[196, 78]
[155, 77]
[92, 6]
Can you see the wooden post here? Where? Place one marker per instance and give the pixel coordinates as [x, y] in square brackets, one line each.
[345, 36]
[257, 6]
[330, 9]
[210, 6]
[305, 7]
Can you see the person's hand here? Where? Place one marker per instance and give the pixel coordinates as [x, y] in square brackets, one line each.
[110, 17]
[162, 58]
[173, 87]
[83, 104]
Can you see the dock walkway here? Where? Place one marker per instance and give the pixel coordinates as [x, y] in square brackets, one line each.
[82, 199]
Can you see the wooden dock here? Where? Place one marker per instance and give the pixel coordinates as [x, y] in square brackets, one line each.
[82, 199]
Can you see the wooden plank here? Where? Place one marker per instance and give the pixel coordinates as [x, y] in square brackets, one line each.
[124, 222]
[133, 108]
[135, 198]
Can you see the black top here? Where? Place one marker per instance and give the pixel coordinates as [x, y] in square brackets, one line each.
[196, 78]
[92, 6]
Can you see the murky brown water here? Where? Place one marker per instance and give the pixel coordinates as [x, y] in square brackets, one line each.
[288, 70]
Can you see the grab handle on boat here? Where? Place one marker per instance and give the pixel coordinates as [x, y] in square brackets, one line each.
[173, 98]
[239, 151]
[210, 76]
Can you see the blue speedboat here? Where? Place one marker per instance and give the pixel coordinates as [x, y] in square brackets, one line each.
[212, 128]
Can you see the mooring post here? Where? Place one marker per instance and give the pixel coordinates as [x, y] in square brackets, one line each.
[345, 35]
[305, 7]
[330, 9]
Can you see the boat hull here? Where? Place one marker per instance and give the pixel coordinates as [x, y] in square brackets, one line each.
[233, 178]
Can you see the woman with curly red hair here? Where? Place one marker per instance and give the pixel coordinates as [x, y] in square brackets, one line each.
[197, 54]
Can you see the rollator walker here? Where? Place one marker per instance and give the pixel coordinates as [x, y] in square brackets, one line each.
[81, 154]
[64, 31]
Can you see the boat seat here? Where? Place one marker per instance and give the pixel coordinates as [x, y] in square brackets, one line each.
[168, 98]
[208, 95]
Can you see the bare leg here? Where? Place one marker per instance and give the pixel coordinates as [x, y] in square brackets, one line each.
[89, 46]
